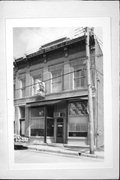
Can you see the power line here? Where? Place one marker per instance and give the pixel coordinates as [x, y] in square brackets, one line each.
[99, 72]
[55, 78]
[61, 76]
[100, 43]
[99, 40]
[80, 31]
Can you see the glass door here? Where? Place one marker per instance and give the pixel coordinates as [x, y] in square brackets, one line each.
[59, 134]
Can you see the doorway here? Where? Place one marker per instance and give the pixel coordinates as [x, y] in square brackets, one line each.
[22, 127]
[22, 120]
[60, 130]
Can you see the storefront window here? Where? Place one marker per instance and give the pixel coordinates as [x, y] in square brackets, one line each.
[78, 119]
[37, 132]
[37, 121]
[37, 127]
[37, 111]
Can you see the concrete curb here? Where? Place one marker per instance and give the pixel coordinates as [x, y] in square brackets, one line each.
[55, 151]
[91, 155]
[66, 152]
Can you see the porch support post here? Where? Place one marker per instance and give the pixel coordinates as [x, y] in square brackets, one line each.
[45, 125]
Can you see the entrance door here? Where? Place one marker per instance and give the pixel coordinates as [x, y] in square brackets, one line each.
[22, 127]
[59, 133]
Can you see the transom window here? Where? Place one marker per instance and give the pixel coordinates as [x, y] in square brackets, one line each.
[37, 127]
[78, 108]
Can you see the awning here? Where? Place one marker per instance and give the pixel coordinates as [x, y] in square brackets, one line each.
[43, 103]
[52, 102]
[78, 99]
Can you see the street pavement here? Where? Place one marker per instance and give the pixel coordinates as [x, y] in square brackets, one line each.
[63, 149]
[33, 156]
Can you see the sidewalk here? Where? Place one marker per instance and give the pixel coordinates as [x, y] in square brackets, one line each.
[66, 149]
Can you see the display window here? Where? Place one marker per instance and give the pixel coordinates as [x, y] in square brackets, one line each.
[37, 112]
[37, 121]
[77, 119]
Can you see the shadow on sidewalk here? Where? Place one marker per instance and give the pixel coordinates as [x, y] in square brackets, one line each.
[19, 147]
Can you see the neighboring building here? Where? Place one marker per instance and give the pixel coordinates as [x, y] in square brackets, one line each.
[51, 93]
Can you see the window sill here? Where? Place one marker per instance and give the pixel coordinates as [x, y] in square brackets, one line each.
[53, 93]
[50, 136]
[71, 138]
[67, 91]
[83, 115]
[37, 137]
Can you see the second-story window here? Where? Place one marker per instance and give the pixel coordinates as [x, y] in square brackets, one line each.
[22, 87]
[56, 81]
[79, 77]
[79, 73]
[36, 84]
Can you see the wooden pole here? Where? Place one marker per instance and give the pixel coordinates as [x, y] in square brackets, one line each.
[90, 101]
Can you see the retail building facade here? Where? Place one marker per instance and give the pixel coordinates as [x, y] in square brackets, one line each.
[51, 93]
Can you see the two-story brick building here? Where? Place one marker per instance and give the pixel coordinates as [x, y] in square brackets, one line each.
[51, 93]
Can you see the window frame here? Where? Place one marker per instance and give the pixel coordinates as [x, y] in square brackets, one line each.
[75, 124]
[59, 76]
[36, 77]
[82, 79]
[22, 93]
[40, 119]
